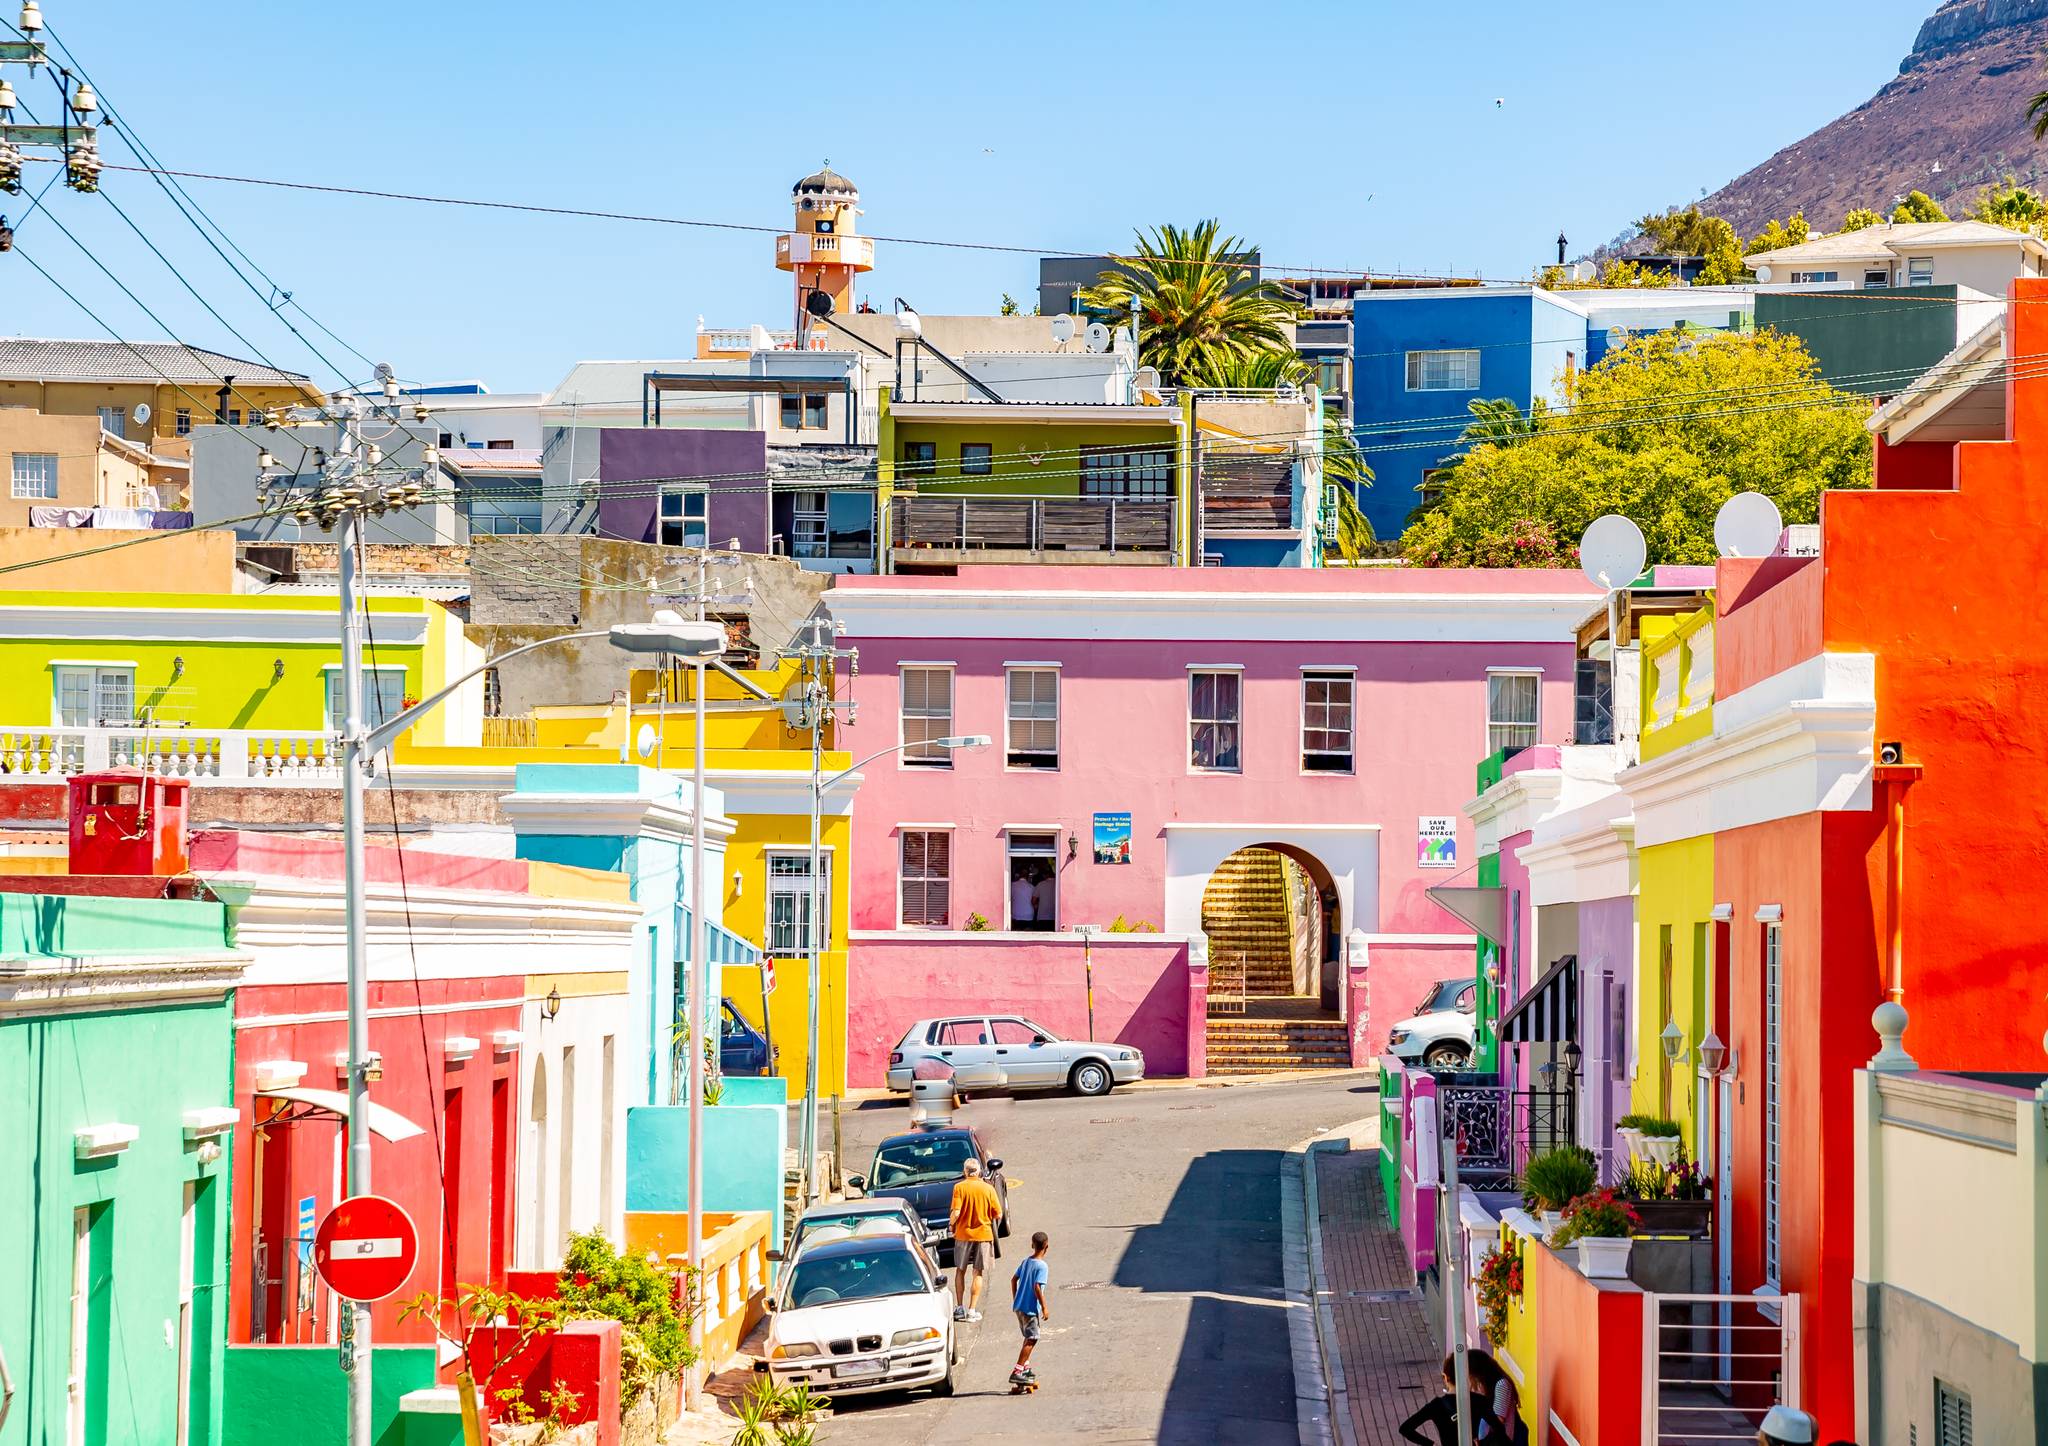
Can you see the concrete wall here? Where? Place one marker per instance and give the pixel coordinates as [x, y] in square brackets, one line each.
[1911, 1343]
[576, 1074]
[1141, 991]
[89, 474]
[743, 1151]
[199, 560]
[225, 485]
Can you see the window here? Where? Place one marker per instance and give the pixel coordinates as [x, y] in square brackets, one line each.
[976, 459]
[1214, 703]
[1920, 271]
[95, 697]
[383, 695]
[920, 459]
[1034, 882]
[234, 416]
[1034, 718]
[1774, 1008]
[35, 475]
[507, 508]
[1326, 722]
[927, 716]
[79, 1368]
[927, 878]
[1876, 280]
[1510, 710]
[810, 524]
[494, 694]
[1811, 277]
[1015, 1031]
[789, 902]
[1333, 374]
[1443, 371]
[447, 441]
[683, 516]
[824, 227]
[115, 420]
[183, 423]
[956, 1032]
[805, 412]
[850, 525]
[1952, 1426]
[1120, 472]
[814, 411]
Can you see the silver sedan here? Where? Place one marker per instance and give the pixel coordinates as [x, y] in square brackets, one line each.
[1007, 1051]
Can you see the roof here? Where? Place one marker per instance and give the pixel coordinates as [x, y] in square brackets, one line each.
[825, 180]
[33, 359]
[1884, 242]
[1959, 398]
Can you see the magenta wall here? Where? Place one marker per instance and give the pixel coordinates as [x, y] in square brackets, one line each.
[1141, 991]
[1397, 977]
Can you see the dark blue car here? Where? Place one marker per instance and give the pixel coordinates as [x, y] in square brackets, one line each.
[742, 1049]
[921, 1167]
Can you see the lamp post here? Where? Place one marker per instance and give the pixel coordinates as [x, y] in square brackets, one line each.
[820, 785]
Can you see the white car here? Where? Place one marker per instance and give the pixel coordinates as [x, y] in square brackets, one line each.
[1438, 1034]
[1007, 1051]
[867, 1311]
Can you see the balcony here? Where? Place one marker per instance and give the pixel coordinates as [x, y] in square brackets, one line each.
[228, 755]
[976, 522]
[1248, 492]
[829, 248]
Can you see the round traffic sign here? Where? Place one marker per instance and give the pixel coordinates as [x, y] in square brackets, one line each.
[366, 1247]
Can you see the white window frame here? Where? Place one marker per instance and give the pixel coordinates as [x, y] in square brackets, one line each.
[1236, 672]
[1349, 678]
[1011, 718]
[686, 500]
[78, 1367]
[772, 891]
[1773, 1172]
[181, 422]
[114, 420]
[909, 757]
[1535, 675]
[1461, 376]
[1810, 278]
[1919, 271]
[375, 697]
[925, 879]
[810, 523]
[48, 477]
[101, 674]
[1011, 853]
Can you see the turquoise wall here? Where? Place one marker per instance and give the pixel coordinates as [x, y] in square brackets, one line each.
[138, 1066]
[755, 1090]
[270, 1386]
[743, 1147]
[63, 926]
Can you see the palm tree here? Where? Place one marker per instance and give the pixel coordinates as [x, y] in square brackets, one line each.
[2037, 112]
[1196, 304]
[1501, 422]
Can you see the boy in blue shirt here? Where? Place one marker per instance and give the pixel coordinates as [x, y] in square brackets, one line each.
[1032, 1280]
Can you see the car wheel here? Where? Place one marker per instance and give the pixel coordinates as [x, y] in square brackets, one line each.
[1446, 1056]
[946, 1387]
[1091, 1077]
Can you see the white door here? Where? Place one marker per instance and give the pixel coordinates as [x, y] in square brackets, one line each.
[1027, 1055]
[1724, 1173]
[965, 1044]
[81, 1326]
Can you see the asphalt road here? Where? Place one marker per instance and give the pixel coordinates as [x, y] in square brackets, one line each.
[1168, 1314]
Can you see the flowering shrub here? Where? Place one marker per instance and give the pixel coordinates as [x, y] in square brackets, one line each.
[1498, 1282]
[1680, 1180]
[1602, 1215]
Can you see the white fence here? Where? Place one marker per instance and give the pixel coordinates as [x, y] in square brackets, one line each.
[225, 754]
[1713, 1365]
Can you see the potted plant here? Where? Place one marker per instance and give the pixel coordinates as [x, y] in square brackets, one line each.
[1660, 1140]
[1674, 1199]
[1554, 1179]
[1600, 1224]
[1499, 1282]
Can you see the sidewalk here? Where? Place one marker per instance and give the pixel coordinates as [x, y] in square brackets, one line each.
[1386, 1361]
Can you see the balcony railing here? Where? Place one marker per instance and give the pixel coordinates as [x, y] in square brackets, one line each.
[228, 754]
[971, 522]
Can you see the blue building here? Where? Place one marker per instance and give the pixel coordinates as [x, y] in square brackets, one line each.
[1420, 356]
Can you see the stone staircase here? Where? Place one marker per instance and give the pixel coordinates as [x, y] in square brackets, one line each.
[1287, 1032]
[1244, 913]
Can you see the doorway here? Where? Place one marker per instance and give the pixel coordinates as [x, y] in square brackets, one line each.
[1033, 882]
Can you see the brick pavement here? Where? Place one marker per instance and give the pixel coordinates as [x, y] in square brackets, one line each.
[1390, 1362]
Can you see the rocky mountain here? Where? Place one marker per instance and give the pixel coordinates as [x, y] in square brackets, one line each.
[1951, 121]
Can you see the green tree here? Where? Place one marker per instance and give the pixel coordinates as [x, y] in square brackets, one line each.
[1009, 306]
[1501, 422]
[1692, 232]
[1665, 429]
[1861, 217]
[1918, 206]
[1614, 273]
[2011, 205]
[1197, 305]
[1776, 235]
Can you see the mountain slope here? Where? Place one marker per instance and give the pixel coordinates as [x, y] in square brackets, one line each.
[1959, 101]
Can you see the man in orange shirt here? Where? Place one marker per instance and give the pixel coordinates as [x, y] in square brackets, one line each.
[976, 1209]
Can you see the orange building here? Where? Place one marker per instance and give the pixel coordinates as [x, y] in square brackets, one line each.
[823, 252]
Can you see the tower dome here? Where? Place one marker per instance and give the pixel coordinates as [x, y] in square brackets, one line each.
[826, 186]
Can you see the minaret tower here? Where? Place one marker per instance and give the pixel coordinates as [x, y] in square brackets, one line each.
[823, 252]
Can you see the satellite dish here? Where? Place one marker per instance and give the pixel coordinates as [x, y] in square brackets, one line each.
[142, 412]
[1146, 379]
[1748, 525]
[1063, 328]
[1096, 337]
[1617, 336]
[644, 742]
[818, 304]
[384, 372]
[1611, 554]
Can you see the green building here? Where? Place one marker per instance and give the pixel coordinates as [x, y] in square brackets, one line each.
[116, 1072]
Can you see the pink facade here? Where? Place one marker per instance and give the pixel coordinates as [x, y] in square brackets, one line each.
[1417, 646]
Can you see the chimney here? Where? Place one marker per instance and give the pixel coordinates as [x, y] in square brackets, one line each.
[1560, 248]
[220, 404]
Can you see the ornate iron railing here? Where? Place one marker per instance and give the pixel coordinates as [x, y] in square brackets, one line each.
[1499, 1130]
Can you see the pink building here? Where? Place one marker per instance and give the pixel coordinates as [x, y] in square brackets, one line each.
[1177, 720]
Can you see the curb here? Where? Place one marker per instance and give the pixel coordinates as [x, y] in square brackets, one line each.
[1165, 1082]
[1322, 1400]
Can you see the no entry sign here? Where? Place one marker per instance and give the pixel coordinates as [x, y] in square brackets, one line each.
[365, 1248]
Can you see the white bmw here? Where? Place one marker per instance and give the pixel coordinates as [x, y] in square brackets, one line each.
[869, 1312]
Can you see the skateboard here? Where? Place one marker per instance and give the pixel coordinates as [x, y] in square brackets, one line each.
[1023, 1385]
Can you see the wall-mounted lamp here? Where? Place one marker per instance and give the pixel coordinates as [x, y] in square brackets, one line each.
[739, 883]
[373, 1065]
[277, 670]
[552, 1005]
[1713, 1053]
[1572, 1055]
[1673, 1041]
[177, 667]
[1073, 847]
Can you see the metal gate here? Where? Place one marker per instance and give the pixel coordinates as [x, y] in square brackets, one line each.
[1227, 986]
[1714, 1364]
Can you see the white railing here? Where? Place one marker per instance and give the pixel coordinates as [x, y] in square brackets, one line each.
[1713, 1365]
[227, 754]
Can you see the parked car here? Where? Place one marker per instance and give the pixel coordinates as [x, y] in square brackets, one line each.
[921, 1167]
[1007, 1051]
[869, 1312]
[857, 1217]
[742, 1049]
[1439, 1033]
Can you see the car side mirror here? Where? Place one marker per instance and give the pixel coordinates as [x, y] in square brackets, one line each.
[994, 1165]
[775, 1255]
[857, 1182]
[1040, 1039]
[768, 1302]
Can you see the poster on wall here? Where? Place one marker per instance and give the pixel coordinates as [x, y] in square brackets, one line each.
[1112, 838]
[1436, 841]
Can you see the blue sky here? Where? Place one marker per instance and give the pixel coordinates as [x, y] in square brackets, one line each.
[1333, 136]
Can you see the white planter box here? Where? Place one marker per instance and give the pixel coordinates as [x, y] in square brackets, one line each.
[1552, 1219]
[1604, 1258]
[1661, 1148]
[1631, 1140]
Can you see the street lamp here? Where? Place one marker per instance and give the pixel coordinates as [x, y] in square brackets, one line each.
[820, 785]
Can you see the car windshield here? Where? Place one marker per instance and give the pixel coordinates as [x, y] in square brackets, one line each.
[1442, 995]
[916, 1159]
[866, 1275]
[852, 1220]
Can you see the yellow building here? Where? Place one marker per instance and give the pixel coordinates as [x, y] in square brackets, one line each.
[822, 252]
[73, 465]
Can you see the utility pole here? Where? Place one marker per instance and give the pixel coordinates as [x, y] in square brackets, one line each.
[817, 652]
[73, 138]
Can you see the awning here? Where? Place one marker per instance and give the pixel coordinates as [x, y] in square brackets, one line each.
[1485, 910]
[386, 1123]
[1549, 1011]
[721, 945]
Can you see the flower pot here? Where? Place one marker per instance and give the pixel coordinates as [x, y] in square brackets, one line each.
[1661, 1148]
[1631, 1140]
[1692, 1219]
[1604, 1257]
[1552, 1219]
